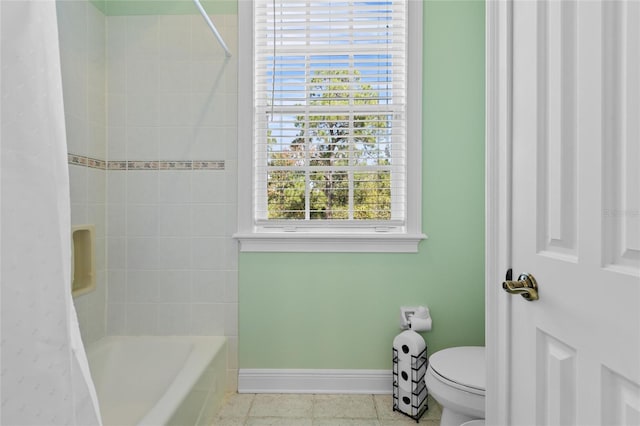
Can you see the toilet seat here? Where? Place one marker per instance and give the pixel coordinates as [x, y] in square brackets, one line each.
[462, 368]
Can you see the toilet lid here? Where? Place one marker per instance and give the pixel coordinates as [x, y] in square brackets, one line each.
[463, 365]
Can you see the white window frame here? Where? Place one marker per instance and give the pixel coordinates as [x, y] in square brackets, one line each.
[329, 237]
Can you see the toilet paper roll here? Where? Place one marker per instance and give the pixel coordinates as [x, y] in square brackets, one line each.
[404, 402]
[420, 324]
[410, 403]
[409, 378]
[408, 343]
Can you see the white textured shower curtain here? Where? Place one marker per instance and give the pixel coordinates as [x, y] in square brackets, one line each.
[44, 375]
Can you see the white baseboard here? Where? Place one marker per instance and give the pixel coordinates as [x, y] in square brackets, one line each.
[314, 381]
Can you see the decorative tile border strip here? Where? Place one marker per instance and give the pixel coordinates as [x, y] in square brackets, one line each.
[79, 160]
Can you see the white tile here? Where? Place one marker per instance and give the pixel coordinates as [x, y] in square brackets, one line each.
[231, 180]
[96, 141]
[175, 76]
[208, 220]
[175, 252]
[116, 143]
[208, 75]
[142, 318]
[77, 131]
[204, 47]
[79, 213]
[116, 70]
[231, 282]
[175, 109]
[116, 187]
[174, 286]
[142, 186]
[142, 253]
[142, 286]
[116, 253]
[142, 76]
[96, 186]
[142, 220]
[175, 186]
[78, 181]
[142, 109]
[116, 319]
[142, 143]
[117, 286]
[208, 287]
[97, 216]
[210, 110]
[97, 102]
[207, 319]
[100, 255]
[231, 113]
[208, 186]
[231, 143]
[96, 26]
[230, 319]
[116, 109]
[174, 220]
[174, 143]
[142, 37]
[175, 37]
[116, 40]
[231, 224]
[174, 318]
[232, 352]
[208, 143]
[208, 253]
[116, 220]
[231, 254]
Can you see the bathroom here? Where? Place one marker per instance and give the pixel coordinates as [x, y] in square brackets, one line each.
[150, 104]
[166, 260]
[151, 110]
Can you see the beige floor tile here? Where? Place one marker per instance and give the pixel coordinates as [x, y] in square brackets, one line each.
[229, 421]
[344, 406]
[384, 407]
[236, 405]
[345, 422]
[282, 405]
[278, 421]
[409, 422]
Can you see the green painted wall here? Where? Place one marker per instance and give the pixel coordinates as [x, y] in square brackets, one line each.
[164, 7]
[341, 311]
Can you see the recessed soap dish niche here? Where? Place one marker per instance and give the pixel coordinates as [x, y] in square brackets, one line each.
[83, 278]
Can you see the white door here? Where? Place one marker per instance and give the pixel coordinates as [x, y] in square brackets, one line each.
[573, 356]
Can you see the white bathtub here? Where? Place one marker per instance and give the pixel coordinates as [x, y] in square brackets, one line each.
[153, 381]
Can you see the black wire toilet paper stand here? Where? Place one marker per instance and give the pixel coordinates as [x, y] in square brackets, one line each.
[419, 393]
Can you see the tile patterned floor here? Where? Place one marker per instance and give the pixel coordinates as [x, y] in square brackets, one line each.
[317, 410]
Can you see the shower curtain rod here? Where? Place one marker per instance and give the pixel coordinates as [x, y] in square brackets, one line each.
[213, 28]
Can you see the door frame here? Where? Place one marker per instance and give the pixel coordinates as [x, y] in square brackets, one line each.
[498, 176]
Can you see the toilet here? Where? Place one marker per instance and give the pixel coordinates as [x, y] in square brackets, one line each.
[456, 378]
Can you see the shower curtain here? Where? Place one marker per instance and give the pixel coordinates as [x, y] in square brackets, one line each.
[44, 373]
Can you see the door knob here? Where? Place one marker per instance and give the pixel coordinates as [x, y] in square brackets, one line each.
[525, 286]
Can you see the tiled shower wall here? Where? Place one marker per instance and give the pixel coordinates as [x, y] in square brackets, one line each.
[170, 167]
[82, 55]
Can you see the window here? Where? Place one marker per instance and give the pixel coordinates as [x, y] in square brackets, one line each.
[329, 159]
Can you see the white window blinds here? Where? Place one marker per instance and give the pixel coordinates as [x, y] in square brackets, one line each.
[330, 111]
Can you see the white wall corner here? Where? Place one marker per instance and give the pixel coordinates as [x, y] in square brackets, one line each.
[315, 381]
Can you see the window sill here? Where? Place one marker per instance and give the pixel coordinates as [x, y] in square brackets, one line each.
[329, 243]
